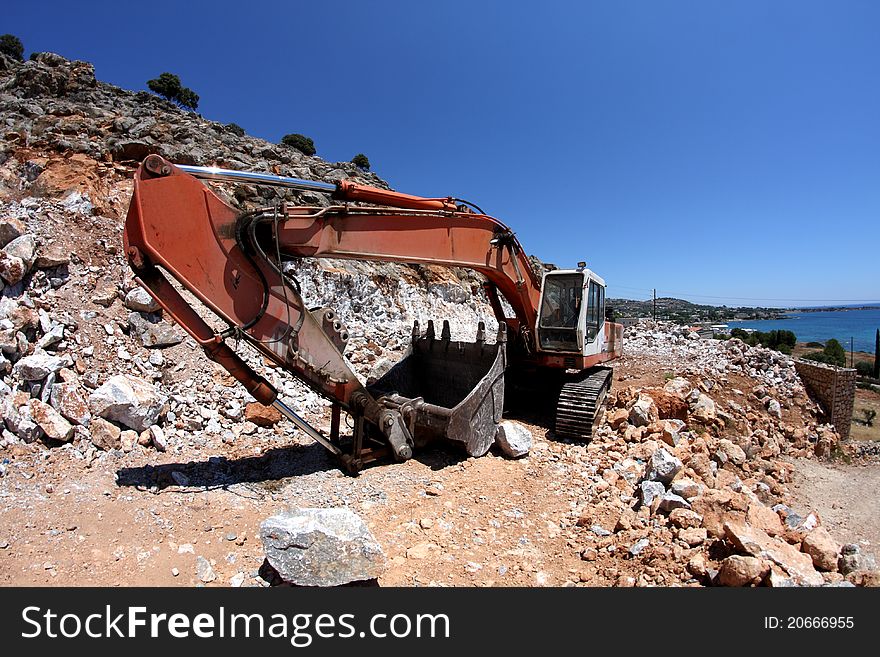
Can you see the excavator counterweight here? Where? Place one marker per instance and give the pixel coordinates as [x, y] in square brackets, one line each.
[233, 263]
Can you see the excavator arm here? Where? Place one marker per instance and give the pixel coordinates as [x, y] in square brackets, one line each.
[232, 263]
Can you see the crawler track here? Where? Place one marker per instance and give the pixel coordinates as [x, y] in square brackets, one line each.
[579, 404]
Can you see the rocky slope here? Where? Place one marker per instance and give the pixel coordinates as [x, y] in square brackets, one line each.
[108, 405]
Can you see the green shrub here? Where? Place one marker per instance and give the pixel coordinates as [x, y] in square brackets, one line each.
[235, 129]
[11, 45]
[864, 368]
[815, 345]
[169, 87]
[362, 161]
[832, 354]
[300, 142]
[782, 341]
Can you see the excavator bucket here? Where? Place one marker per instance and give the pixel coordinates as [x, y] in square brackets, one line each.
[449, 391]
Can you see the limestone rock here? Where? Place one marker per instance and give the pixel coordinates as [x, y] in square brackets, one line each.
[704, 409]
[757, 543]
[513, 439]
[678, 386]
[154, 332]
[105, 435]
[204, 571]
[321, 547]
[731, 452]
[23, 248]
[617, 417]
[853, 560]
[38, 366]
[50, 421]
[737, 570]
[643, 412]
[140, 300]
[662, 467]
[12, 269]
[262, 416]
[685, 518]
[10, 228]
[67, 399]
[649, 491]
[686, 488]
[128, 400]
[670, 502]
[764, 518]
[51, 256]
[823, 549]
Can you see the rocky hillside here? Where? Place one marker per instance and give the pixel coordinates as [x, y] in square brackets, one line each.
[107, 407]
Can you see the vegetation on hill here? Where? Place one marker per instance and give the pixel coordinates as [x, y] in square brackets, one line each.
[303, 144]
[783, 341]
[832, 354]
[170, 88]
[11, 46]
[362, 161]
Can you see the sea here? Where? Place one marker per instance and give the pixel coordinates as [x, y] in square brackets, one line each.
[819, 326]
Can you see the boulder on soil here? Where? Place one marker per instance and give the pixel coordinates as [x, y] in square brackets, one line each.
[321, 547]
[140, 300]
[262, 416]
[513, 439]
[128, 400]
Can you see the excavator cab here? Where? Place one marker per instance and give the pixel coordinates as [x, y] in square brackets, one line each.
[572, 316]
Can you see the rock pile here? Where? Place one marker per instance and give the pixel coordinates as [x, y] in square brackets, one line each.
[694, 473]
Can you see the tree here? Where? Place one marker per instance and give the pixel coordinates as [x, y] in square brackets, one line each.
[11, 45]
[169, 87]
[877, 355]
[832, 354]
[362, 161]
[300, 142]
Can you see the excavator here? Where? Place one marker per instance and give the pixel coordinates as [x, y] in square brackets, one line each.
[181, 237]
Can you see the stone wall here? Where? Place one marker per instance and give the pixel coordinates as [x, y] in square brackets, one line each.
[833, 388]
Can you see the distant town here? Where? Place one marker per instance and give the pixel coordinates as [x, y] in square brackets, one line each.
[685, 312]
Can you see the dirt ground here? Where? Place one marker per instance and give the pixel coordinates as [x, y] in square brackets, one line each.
[866, 400]
[143, 518]
[844, 496]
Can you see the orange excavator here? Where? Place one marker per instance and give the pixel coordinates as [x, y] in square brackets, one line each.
[546, 356]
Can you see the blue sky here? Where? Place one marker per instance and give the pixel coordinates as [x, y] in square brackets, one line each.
[723, 152]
